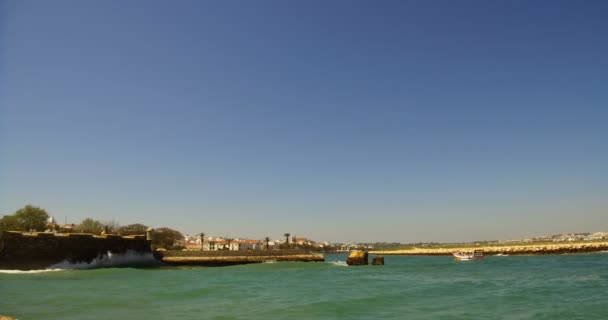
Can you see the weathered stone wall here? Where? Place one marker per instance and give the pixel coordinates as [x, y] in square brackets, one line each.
[228, 253]
[27, 251]
[226, 258]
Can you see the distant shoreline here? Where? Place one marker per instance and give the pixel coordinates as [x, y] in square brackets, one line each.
[519, 249]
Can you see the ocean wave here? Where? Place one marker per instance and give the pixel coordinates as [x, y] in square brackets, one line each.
[30, 271]
[338, 263]
[128, 259]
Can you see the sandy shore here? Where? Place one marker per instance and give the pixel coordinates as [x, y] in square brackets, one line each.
[520, 249]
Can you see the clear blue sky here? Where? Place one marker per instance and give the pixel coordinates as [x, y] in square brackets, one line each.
[335, 120]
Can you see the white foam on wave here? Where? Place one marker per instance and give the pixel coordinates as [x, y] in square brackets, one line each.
[338, 263]
[30, 271]
[128, 259]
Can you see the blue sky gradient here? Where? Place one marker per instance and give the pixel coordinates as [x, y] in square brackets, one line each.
[335, 120]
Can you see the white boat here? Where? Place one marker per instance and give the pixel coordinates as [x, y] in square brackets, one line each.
[467, 256]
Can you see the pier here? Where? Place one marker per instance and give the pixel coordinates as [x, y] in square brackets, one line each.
[227, 258]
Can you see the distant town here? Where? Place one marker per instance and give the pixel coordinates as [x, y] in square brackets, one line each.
[210, 243]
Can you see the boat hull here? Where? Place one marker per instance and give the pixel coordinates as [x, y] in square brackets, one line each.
[462, 256]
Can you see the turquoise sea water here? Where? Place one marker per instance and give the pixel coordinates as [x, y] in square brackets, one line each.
[526, 287]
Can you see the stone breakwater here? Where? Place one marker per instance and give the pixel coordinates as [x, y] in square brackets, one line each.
[39, 250]
[522, 249]
[226, 258]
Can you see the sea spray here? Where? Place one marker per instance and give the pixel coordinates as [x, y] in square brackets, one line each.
[128, 259]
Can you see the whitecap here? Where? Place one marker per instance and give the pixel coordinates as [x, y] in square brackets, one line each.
[128, 259]
[29, 271]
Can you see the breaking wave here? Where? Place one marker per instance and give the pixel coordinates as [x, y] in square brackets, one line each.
[29, 271]
[338, 263]
[128, 259]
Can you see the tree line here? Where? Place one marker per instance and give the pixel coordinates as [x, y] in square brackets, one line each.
[35, 219]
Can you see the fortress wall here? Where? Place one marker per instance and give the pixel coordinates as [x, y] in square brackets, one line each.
[21, 250]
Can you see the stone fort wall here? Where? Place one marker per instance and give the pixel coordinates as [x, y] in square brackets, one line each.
[38, 250]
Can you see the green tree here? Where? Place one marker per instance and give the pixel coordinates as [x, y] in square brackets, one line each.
[286, 239]
[30, 218]
[133, 229]
[267, 239]
[89, 225]
[10, 223]
[166, 238]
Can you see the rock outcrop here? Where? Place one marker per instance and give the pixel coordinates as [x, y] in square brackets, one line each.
[357, 258]
[378, 261]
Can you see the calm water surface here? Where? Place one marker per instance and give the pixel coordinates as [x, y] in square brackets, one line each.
[533, 287]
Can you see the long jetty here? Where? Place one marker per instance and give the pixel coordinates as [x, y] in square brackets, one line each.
[519, 249]
[226, 258]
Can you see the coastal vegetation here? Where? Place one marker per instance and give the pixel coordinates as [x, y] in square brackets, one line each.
[28, 218]
[286, 244]
[286, 235]
[36, 219]
[89, 225]
[167, 238]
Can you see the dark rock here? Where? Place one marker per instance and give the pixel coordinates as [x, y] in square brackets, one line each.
[378, 261]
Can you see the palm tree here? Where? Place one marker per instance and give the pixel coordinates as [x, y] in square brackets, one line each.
[287, 239]
[267, 239]
[202, 235]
